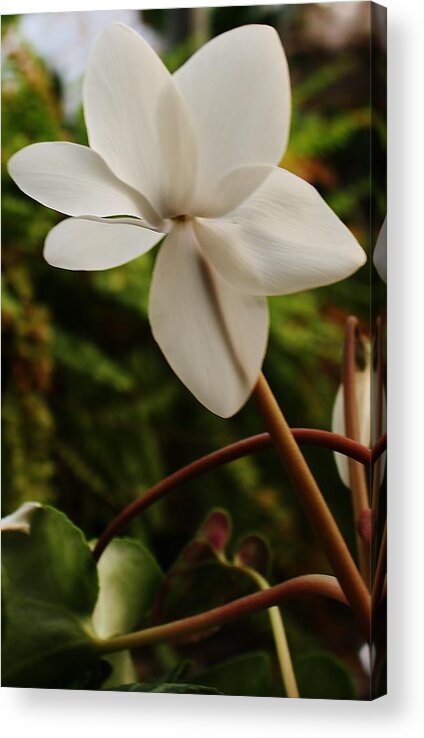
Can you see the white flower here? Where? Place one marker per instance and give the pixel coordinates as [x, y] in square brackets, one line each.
[192, 156]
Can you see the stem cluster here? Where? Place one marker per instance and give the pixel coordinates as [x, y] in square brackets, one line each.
[351, 585]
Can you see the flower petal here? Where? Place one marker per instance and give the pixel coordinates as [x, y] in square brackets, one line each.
[93, 244]
[237, 88]
[213, 337]
[380, 252]
[20, 519]
[232, 190]
[131, 104]
[74, 180]
[177, 153]
[283, 239]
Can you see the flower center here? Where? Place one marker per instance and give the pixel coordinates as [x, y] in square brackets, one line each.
[181, 218]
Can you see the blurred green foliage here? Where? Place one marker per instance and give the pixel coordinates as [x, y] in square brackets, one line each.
[92, 413]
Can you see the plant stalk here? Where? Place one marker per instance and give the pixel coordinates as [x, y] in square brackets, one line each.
[380, 574]
[358, 480]
[280, 638]
[310, 584]
[377, 404]
[314, 504]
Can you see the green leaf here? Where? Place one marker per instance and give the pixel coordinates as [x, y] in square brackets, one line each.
[248, 675]
[50, 589]
[167, 688]
[322, 676]
[202, 578]
[199, 581]
[54, 613]
[129, 577]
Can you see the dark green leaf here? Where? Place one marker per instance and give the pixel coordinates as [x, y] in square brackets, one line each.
[167, 688]
[322, 676]
[50, 589]
[197, 582]
[248, 675]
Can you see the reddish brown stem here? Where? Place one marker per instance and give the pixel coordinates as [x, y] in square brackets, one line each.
[218, 458]
[314, 504]
[379, 448]
[377, 403]
[311, 584]
[380, 574]
[358, 480]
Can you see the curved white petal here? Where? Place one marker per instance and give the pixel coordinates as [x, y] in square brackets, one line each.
[367, 657]
[136, 118]
[232, 190]
[284, 238]
[74, 180]
[338, 425]
[177, 153]
[20, 519]
[380, 253]
[213, 337]
[237, 88]
[366, 390]
[84, 244]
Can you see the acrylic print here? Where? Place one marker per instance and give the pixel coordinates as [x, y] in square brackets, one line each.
[194, 322]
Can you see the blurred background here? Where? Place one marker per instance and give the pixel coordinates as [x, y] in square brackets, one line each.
[92, 414]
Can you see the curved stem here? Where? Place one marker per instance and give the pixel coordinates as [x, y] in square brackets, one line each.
[380, 574]
[314, 504]
[216, 459]
[309, 584]
[379, 448]
[377, 405]
[280, 638]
